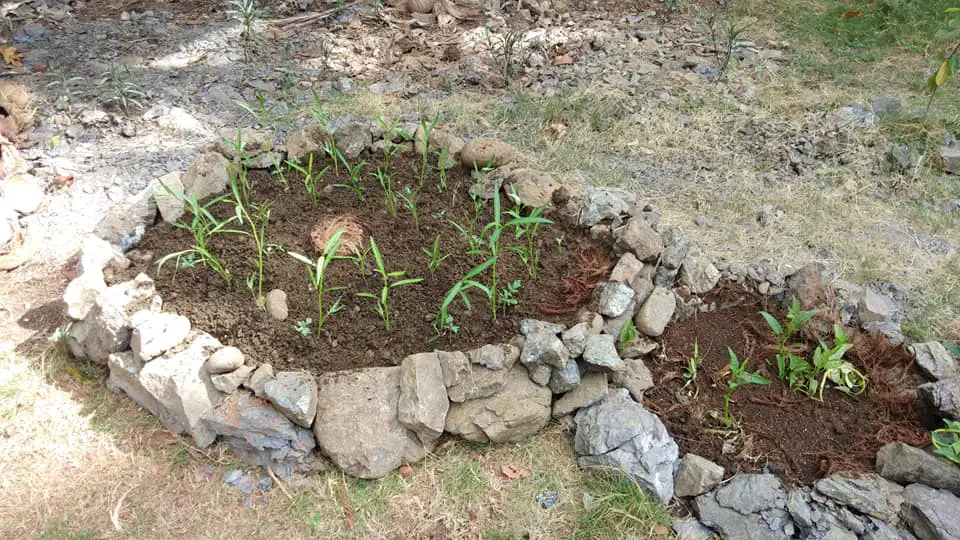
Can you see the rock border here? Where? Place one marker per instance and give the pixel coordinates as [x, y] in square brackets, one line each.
[369, 422]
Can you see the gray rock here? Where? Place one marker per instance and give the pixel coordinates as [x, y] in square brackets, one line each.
[942, 396]
[656, 312]
[674, 254]
[260, 435]
[302, 143]
[806, 285]
[665, 277]
[875, 307]
[125, 378]
[566, 379]
[177, 119]
[626, 269]
[294, 393]
[642, 287]
[352, 137]
[934, 360]
[642, 346]
[81, 294]
[635, 378]
[696, 475]
[600, 204]
[540, 373]
[868, 493]
[592, 388]
[125, 222]
[931, 513]
[465, 380]
[543, 348]
[260, 377]
[619, 432]
[423, 397]
[751, 506]
[228, 383]
[495, 357]
[533, 326]
[168, 192]
[691, 529]
[889, 329]
[854, 116]
[357, 426]
[575, 339]
[905, 464]
[276, 304]
[180, 387]
[518, 410]
[225, 360]
[600, 352]
[885, 106]
[615, 298]
[698, 273]
[155, 333]
[613, 325]
[108, 326]
[254, 141]
[950, 156]
[903, 158]
[637, 237]
[206, 176]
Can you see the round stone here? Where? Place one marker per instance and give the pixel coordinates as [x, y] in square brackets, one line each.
[225, 360]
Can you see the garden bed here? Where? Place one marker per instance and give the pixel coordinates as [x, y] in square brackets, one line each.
[779, 430]
[356, 336]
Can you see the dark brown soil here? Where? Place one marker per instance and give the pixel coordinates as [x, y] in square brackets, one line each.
[355, 337]
[780, 430]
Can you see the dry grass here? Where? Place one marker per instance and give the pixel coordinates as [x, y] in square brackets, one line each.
[351, 234]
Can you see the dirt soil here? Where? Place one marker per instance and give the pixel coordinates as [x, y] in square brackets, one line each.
[356, 337]
[779, 430]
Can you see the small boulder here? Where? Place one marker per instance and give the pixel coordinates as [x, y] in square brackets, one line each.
[155, 333]
[575, 339]
[934, 360]
[544, 348]
[906, 464]
[931, 513]
[225, 360]
[950, 157]
[942, 396]
[465, 381]
[698, 273]
[168, 192]
[423, 401]
[483, 152]
[696, 476]
[749, 506]
[656, 312]
[627, 268]
[600, 352]
[206, 176]
[592, 388]
[22, 194]
[875, 307]
[566, 379]
[302, 143]
[868, 493]
[601, 204]
[259, 378]
[615, 298]
[640, 239]
[352, 137]
[533, 326]
[806, 285]
[518, 410]
[228, 383]
[636, 378]
[532, 188]
[294, 393]
[276, 304]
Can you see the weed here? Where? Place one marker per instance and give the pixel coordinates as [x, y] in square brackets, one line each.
[202, 227]
[382, 300]
[436, 258]
[391, 131]
[246, 13]
[317, 269]
[949, 63]
[409, 198]
[311, 178]
[505, 51]
[120, 89]
[354, 172]
[280, 171]
[946, 441]
[620, 508]
[303, 326]
[628, 334]
[724, 36]
[66, 86]
[738, 376]
[692, 367]
[260, 110]
[507, 296]
[425, 130]
[359, 258]
[444, 321]
[389, 196]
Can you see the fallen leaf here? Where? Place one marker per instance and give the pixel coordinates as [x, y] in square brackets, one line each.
[406, 471]
[514, 473]
[562, 60]
[851, 14]
[11, 56]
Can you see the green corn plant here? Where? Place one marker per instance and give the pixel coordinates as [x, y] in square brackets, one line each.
[442, 159]
[316, 270]
[474, 242]
[738, 376]
[949, 63]
[389, 196]
[280, 171]
[383, 299]
[260, 110]
[628, 334]
[409, 198]
[359, 258]
[391, 131]
[311, 178]
[120, 89]
[255, 217]
[303, 326]
[355, 185]
[426, 128]
[796, 319]
[526, 229]
[507, 296]
[202, 227]
[692, 367]
[444, 321]
[436, 258]
[946, 441]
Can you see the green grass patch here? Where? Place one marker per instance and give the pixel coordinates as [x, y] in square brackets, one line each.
[620, 509]
[464, 480]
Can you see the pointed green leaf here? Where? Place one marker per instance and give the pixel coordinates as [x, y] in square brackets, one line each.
[772, 323]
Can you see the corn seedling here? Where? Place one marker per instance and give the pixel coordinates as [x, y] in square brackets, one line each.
[391, 131]
[120, 90]
[444, 321]
[474, 242]
[202, 226]
[280, 171]
[558, 240]
[738, 376]
[692, 367]
[507, 296]
[303, 326]
[246, 13]
[436, 258]
[259, 110]
[426, 128]
[359, 258]
[442, 161]
[628, 334]
[526, 228]
[409, 198]
[255, 218]
[389, 196]
[354, 172]
[316, 270]
[946, 441]
[311, 178]
[949, 63]
[383, 299]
